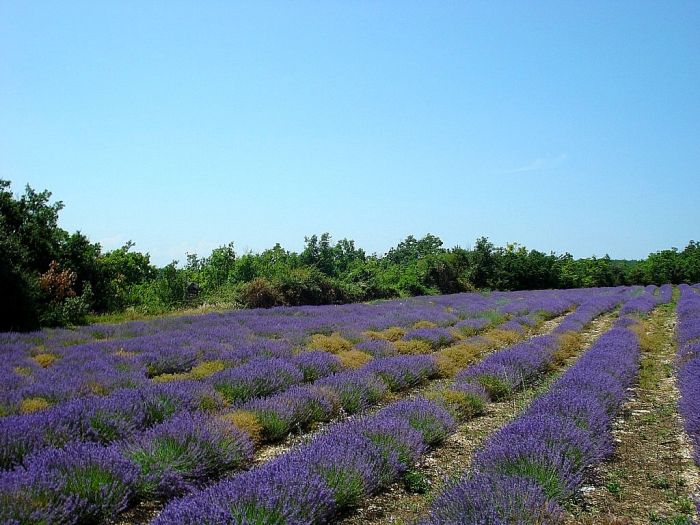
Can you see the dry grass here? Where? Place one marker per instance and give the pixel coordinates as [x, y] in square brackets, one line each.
[45, 359]
[424, 324]
[462, 405]
[201, 371]
[569, 344]
[413, 347]
[333, 343]
[452, 359]
[503, 337]
[354, 358]
[392, 334]
[247, 422]
[33, 404]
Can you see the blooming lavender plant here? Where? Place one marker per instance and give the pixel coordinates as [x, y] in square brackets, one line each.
[82, 483]
[297, 407]
[688, 361]
[507, 370]
[494, 499]
[257, 378]
[188, 449]
[402, 372]
[315, 482]
[355, 390]
[315, 364]
[434, 422]
[278, 492]
[436, 337]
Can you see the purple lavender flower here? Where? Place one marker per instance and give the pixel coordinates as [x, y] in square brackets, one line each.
[257, 378]
[436, 337]
[184, 451]
[494, 499]
[315, 364]
[402, 372]
[377, 348]
[278, 492]
[82, 483]
[349, 462]
[433, 421]
[542, 455]
[356, 390]
[296, 407]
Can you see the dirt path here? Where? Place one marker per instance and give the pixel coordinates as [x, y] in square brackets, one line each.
[398, 505]
[651, 474]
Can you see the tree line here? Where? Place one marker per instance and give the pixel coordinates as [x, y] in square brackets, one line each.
[50, 277]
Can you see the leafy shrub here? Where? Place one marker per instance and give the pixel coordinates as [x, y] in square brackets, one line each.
[261, 293]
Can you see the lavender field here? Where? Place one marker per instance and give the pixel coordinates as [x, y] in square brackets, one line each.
[306, 415]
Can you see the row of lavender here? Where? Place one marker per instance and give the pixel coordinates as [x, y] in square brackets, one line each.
[125, 412]
[159, 452]
[226, 502]
[38, 371]
[526, 470]
[688, 362]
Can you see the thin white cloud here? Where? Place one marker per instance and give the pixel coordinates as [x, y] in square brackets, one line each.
[112, 242]
[541, 164]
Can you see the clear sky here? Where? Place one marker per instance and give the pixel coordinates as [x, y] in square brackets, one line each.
[565, 126]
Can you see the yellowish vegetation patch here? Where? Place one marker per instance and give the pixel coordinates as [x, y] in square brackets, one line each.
[569, 344]
[23, 370]
[354, 358]
[167, 378]
[202, 370]
[45, 360]
[393, 334]
[503, 337]
[33, 404]
[424, 324]
[414, 346]
[97, 388]
[207, 368]
[247, 422]
[463, 405]
[452, 359]
[124, 353]
[333, 343]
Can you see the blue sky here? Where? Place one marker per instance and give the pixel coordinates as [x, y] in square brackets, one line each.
[565, 126]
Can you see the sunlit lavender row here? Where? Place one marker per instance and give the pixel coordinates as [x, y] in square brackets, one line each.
[52, 366]
[157, 440]
[688, 363]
